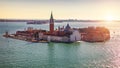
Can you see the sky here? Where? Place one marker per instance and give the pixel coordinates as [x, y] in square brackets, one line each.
[62, 9]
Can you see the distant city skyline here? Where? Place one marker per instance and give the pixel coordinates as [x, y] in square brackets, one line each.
[62, 9]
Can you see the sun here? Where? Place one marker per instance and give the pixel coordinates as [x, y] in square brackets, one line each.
[109, 18]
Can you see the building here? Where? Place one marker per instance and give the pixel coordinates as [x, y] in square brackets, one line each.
[51, 25]
[66, 34]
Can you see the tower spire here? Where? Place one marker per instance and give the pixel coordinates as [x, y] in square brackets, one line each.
[51, 15]
[51, 23]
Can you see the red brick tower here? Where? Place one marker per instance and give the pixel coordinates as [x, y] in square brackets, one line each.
[51, 25]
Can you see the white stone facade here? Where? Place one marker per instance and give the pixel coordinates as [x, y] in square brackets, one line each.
[75, 36]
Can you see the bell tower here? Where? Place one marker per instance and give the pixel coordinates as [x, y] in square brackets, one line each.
[51, 24]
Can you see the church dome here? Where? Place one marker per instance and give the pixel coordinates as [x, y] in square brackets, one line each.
[67, 28]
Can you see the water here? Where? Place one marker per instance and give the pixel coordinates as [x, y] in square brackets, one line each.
[21, 54]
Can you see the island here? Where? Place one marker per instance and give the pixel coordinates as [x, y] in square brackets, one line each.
[62, 34]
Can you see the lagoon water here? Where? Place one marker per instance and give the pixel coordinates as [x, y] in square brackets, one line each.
[21, 54]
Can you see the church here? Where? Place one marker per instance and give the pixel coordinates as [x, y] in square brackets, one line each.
[62, 34]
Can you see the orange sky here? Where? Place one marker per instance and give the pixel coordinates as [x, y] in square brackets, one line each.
[62, 9]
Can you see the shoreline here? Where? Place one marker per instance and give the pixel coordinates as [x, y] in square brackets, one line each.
[87, 34]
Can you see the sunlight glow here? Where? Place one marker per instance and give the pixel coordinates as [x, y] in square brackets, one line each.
[109, 18]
